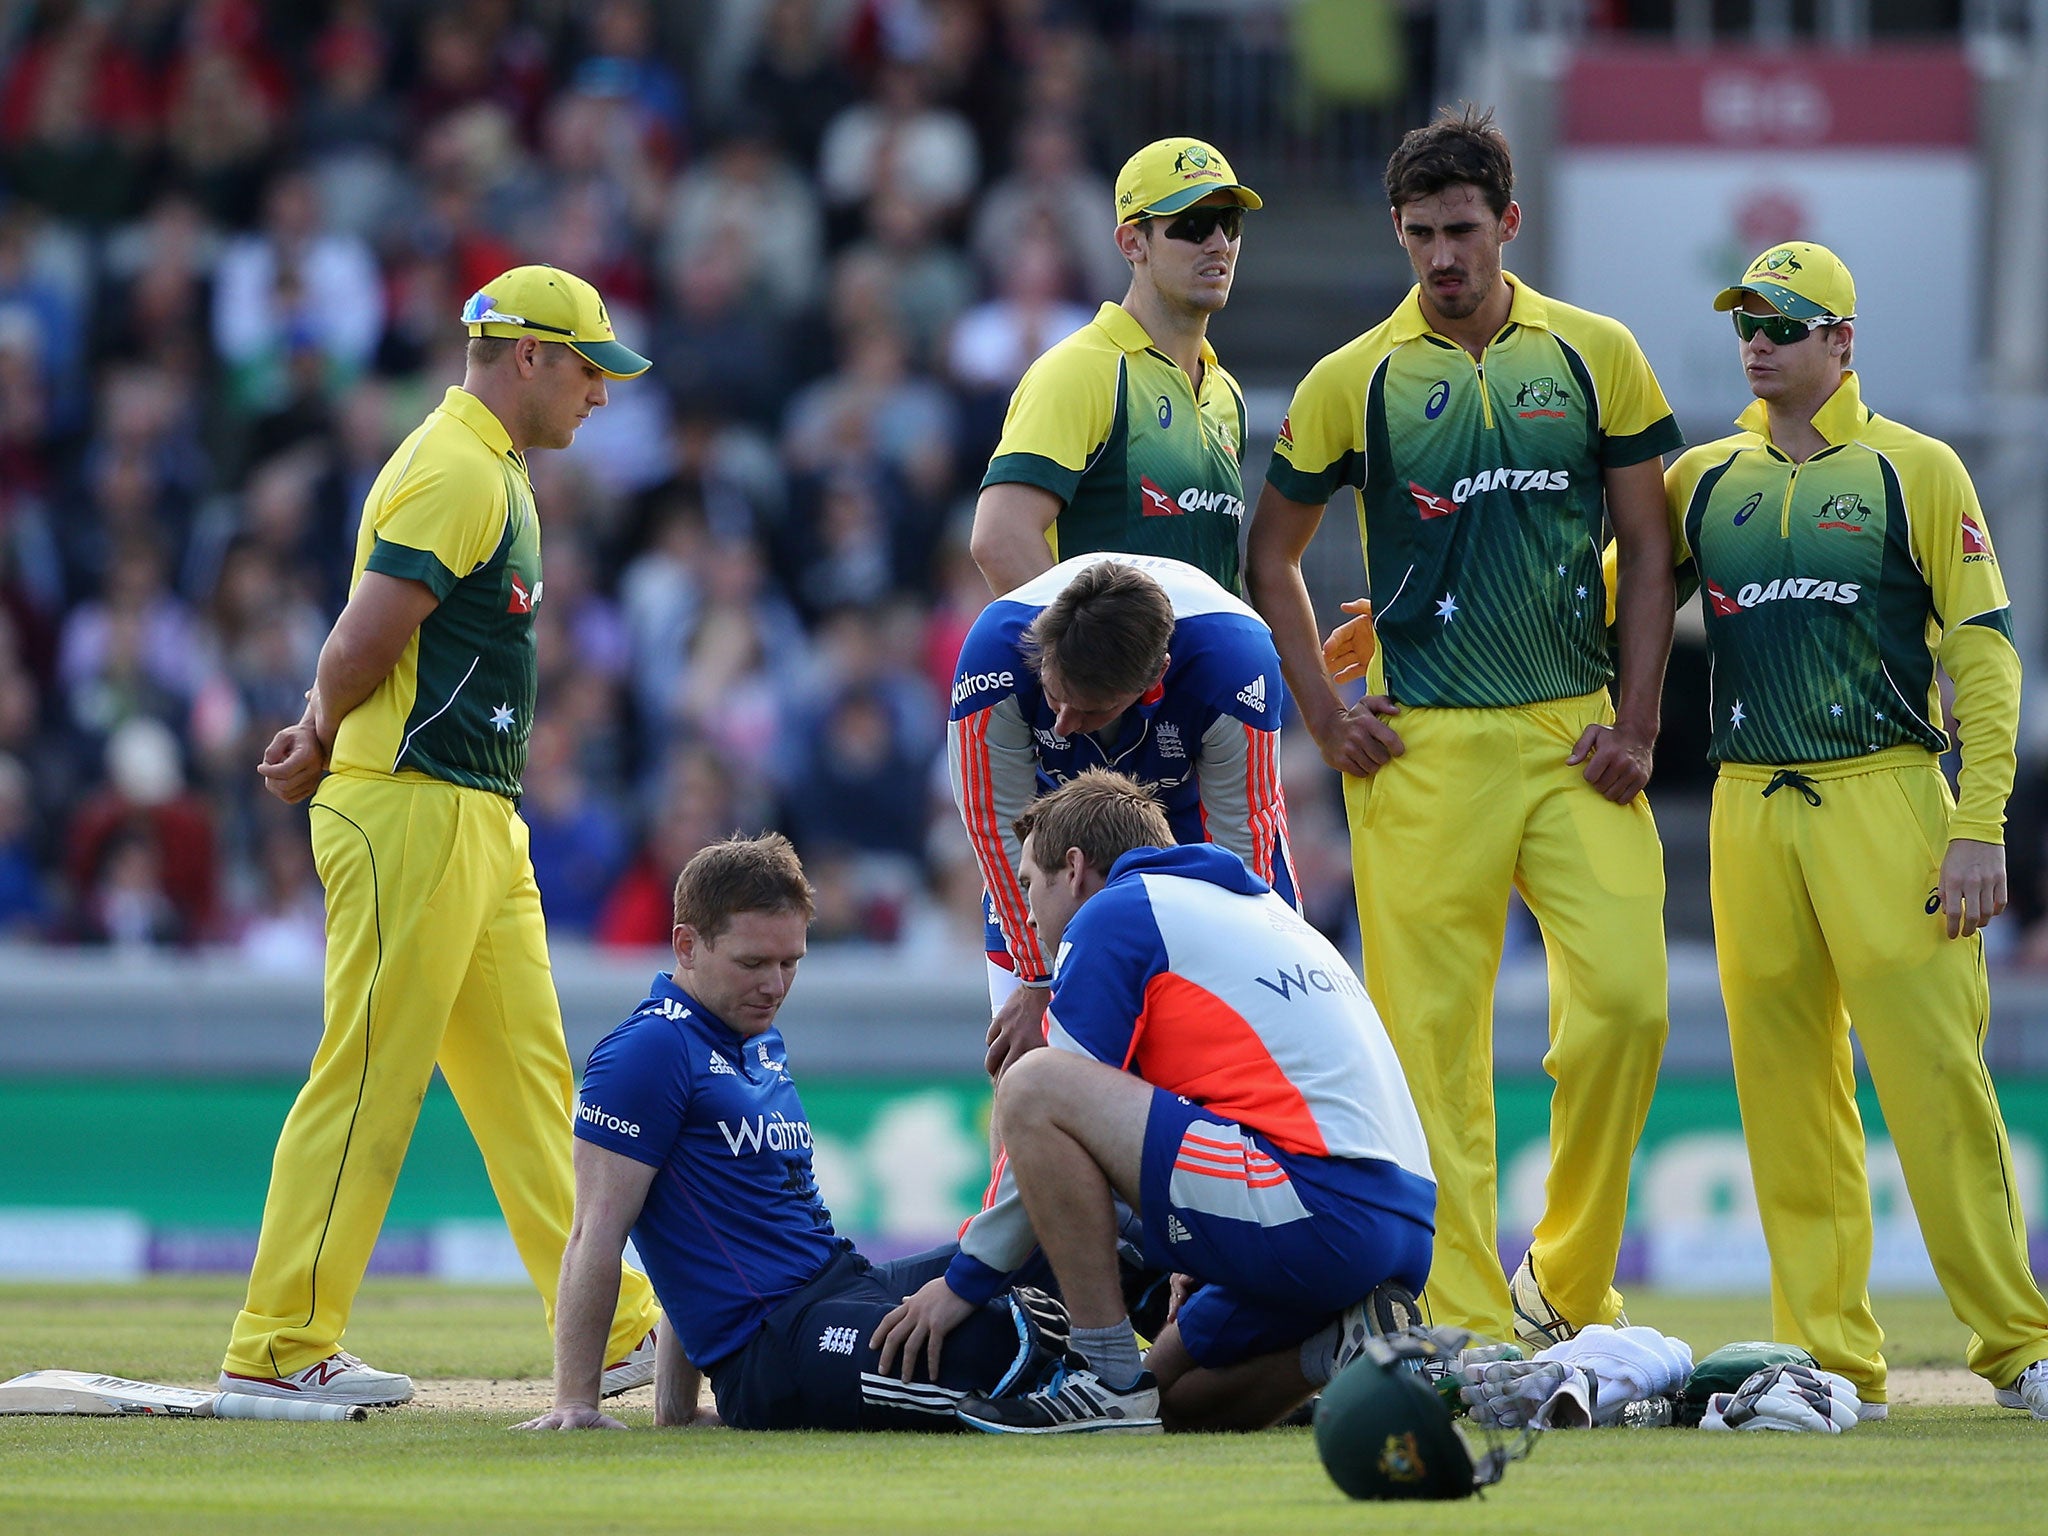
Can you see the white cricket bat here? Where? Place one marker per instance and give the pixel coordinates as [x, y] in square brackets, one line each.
[84, 1392]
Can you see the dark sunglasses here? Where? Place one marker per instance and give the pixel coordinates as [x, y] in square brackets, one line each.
[1194, 225]
[1783, 332]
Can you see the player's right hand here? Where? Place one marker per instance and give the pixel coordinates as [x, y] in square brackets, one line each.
[1349, 650]
[293, 763]
[1019, 1026]
[575, 1416]
[1359, 741]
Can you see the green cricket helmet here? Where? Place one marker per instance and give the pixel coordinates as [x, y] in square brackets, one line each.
[1727, 1368]
[1384, 1431]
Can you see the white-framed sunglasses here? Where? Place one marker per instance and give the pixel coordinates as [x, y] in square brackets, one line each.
[481, 311]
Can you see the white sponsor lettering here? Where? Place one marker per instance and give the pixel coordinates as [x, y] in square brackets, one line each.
[1195, 499]
[1253, 694]
[971, 683]
[1511, 480]
[774, 1133]
[1756, 593]
[597, 1115]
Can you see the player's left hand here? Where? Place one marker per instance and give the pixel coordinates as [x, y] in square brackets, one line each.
[1617, 761]
[575, 1416]
[1184, 1286]
[1973, 889]
[920, 1325]
[1018, 1026]
[293, 763]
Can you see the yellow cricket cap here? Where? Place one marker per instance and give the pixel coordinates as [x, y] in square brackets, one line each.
[1169, 175]
[1800, 280]
[552, 305]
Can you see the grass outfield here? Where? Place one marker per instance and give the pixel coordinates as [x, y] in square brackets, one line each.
[1952, 1469]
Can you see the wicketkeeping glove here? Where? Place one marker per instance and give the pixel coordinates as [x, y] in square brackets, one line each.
[1509, 1394]
[1786, 1397]
[1348, 651]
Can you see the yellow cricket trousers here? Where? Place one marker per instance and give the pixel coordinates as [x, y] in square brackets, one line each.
[1822, 889]
[1483, 798]
[436, 953]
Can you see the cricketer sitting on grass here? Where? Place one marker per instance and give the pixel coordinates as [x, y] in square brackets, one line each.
[1217, 1065]
[1131, 662]
[411, 748]
[690, 1136]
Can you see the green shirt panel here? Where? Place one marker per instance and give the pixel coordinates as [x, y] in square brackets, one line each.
[1162, 472]
[1481, 502]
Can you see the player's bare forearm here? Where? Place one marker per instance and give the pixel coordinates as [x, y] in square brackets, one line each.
[1353, 741]
[1009, 537]
[583, 1319]
[1644, 601]
[676, 1384]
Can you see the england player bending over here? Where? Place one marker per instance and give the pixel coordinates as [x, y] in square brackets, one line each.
[1217, 1065]
[1131, 662]
[690, 1135]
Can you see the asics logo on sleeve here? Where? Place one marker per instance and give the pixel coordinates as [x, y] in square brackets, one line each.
[971, 683]
[597, 1115]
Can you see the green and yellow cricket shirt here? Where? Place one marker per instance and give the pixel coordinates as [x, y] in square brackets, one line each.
[453, 509]
[1481, 502]
[1834, 587]
[1143, 464]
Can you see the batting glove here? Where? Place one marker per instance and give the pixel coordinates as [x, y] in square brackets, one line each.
[1793, 1398]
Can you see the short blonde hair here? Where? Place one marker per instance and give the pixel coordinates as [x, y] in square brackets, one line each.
[1103, 813]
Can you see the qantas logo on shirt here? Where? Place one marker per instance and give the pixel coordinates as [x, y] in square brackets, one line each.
[772, 1133]
[1194, 499]
[1511, 480]
[1756, 594]
[521, 600]
[1429, 504]
[1975, 546]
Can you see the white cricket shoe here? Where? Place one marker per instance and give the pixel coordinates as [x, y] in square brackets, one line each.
[1872, 1413]
[1537, 1323]
[2029, 1391]
[636, 1370]
[340, 1378]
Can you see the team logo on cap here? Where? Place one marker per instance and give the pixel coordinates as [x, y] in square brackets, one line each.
[1401, 1459]
[1196, 161]
[1781, 261]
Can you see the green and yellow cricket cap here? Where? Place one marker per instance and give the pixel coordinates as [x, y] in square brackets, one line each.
[1172, 174]
[552, 305]
[1800, 280]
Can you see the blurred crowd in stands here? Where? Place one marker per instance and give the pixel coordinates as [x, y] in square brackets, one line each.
[234, 240]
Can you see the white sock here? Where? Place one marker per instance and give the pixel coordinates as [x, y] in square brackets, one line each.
[1112, 1353]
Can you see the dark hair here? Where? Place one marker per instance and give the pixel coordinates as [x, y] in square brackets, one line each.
[1101, 812]
[741, 874]
[1106, 634]
[1457, 147]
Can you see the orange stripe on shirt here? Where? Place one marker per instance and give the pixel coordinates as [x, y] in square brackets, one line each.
[1190, 1042]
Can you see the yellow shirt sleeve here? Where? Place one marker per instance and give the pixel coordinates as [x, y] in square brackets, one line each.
[1061, 414]
[1321, 444]
[1953, 547]
[440, 519]
[1635, 419]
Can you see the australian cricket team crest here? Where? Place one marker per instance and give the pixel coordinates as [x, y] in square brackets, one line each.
[1781, 262]
[1848, 510]
[1401, 1459]
[1541, 397]
[1195, 162]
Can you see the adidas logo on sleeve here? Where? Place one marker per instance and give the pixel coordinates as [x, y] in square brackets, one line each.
[1253, 694]
[720, 1065]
